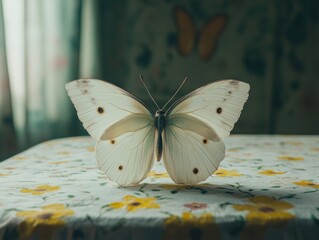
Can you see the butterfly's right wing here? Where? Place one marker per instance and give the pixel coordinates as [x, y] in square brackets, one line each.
[186, 31]
[121, 124]
[195, 126]
[100, 105]
[218, 105]
[128, 158]
[188, 156]
[209, 36]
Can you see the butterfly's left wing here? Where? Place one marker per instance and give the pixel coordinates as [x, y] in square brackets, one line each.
[100, 105]
[121, 124]
[186, 31]
[196, 124]
[209, 36]
[190, 158]
[128, 158]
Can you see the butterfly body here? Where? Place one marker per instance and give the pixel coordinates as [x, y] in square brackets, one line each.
[188, 136]
[160, 121]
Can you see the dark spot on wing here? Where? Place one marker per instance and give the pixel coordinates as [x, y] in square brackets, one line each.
[229, 92]
[100, 110]
[84, 91]
[120, 167]
[195, 170]
[112, 141]
[82, 83]
[219, 110]
[205, 141]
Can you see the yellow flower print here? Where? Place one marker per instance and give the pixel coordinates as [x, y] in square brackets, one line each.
[39, 190]
[49, 214]
[265, 210]
[20, 157]
[59, 162]
[37, 221]
[49, 143]
[4, 174]
[293, 143]
[204, 218]
[158, 175]
[271, 172]
[305, 183]
[236, 149]
[77, 139]
[290, 158]
[181, 227]
[91, 149]
[226, 173]
[64, 153]
[132, 203]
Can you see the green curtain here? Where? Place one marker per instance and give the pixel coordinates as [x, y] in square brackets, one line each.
[7, 134]
[43, 55]
[52, 35]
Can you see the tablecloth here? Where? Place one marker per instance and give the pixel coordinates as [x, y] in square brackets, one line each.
[265, 188]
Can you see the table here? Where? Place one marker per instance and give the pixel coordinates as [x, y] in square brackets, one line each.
[267, 187]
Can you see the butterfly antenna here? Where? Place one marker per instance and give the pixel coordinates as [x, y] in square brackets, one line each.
[142, 80]
[179, 88]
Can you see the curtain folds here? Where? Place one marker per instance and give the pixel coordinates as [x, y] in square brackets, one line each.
[42, 55]
[52, 41]
[7, 134]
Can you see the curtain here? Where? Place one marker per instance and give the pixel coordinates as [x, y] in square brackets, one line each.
[7, 134]
[40, 46]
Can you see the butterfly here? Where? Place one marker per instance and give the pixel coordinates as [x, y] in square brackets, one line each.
[206, 38]
[130, 135]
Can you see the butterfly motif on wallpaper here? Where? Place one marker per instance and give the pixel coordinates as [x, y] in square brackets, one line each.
[187, 135]
[206, 39]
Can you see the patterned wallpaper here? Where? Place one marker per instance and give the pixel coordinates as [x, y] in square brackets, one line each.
[272, 45]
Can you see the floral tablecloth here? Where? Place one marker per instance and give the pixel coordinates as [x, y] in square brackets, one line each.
[267, 187]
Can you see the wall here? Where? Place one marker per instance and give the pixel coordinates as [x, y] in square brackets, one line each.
[272, 45]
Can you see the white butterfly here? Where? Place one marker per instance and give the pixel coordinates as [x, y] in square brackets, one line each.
[129, 135]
